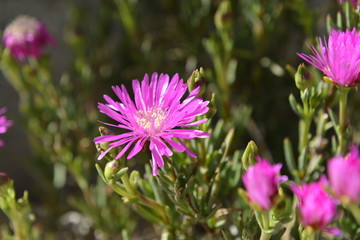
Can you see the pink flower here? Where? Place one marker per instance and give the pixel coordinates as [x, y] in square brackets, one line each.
[262, 182]
[157, 116]
[4, 124]
[26, 36]
[339, 58]
[354, 2]
[344, 175]
[317, 208]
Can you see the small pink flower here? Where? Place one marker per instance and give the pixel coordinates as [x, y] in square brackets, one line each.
[26, 36]
[160, 116]
[317, 207]
[354, 2]
[339, 58]
[4, 124]
[344, 175]
[262, 182]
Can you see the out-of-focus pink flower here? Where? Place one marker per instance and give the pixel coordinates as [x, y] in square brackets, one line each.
[344, 175]
[157, 116]
[338, 58]
[262, 182]
[26, 36]
[354, 2]
[317, 207]
[4, 124]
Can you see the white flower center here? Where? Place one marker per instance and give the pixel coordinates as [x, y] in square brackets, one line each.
[151, 120]
[22, 26]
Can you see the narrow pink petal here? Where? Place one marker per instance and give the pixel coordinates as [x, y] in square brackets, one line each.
[187, 150]
[125, 149]
[109, 138]
[137, 148]
[177, 146]
[139, 100]
[162, 148]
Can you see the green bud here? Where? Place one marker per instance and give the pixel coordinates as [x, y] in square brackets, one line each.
[303, 78]
[223, 16]
[248, 157]
[134, 178]
[101, 147]
[111, 169]
[197, 79]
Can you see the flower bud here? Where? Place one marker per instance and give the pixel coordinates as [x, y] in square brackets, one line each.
[103, 146]
[303, 78]
[248, 157]
[223, 16]
[197, 79]
[26, 36]
[317, 207]
[4, 179]
[344, 176]
[262, 183]
[111, 169]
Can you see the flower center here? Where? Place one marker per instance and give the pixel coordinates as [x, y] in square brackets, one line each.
[151, 120]
[22, 26]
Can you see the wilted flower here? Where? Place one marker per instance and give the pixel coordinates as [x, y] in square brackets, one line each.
[4, 124]
[26, 36]
[339, 58]
[317, 207]
[344, 175]
[262, 182]
[354, 2]
[157, 116]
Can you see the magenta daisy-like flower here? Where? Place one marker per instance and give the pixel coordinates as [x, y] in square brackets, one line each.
[262, 182]
[317, 208]
[4, 124]
[26, 36]
[338, 58]
[157, 116]
[344, 175]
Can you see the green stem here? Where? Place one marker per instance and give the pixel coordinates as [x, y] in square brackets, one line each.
[264, 236]
[262, 218]
[342, 119]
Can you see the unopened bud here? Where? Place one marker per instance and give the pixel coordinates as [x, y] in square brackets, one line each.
[197, 79]
[303, 78]
[4, 178]
[248, 157]
[111, 169]
[101, 147]
[223, 16]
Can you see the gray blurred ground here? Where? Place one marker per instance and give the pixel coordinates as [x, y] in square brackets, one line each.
[16, 154]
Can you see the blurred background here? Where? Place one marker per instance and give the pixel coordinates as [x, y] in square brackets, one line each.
[175, 31]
